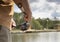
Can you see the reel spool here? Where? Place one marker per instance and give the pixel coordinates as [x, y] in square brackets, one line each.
[24, 26]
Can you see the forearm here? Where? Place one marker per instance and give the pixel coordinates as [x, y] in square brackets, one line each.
[25, 8]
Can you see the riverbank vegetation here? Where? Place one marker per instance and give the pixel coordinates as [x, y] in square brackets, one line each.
[38, 24]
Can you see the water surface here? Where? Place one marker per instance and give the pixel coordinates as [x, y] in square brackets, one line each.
[36, 37]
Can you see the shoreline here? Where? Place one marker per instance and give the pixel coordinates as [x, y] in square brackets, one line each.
[34, 31]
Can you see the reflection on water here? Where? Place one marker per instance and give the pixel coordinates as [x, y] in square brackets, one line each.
[37, 37]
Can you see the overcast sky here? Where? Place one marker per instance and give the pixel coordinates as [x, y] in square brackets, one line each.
[43, 8]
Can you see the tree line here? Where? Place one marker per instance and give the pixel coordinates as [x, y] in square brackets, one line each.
[38, 24]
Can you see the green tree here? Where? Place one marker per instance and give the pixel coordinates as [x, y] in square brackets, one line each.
[36, 24]
[18, 17]
[46, 23]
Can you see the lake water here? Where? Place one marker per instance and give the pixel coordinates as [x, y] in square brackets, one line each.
[36, 37]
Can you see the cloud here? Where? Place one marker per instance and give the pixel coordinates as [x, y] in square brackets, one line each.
[53, 0]
[44, 9]
[38, 14]
[31, 1]
[55, 14]
[40, 9]
[56, 1]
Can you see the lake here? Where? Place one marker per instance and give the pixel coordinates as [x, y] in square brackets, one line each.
[36, 37]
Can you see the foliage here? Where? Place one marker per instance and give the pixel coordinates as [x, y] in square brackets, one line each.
[36, 23]
[18, 17]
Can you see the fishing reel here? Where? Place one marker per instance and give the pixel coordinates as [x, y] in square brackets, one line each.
[24, 26]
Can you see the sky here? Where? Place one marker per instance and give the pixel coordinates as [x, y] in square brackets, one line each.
[43, 8]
